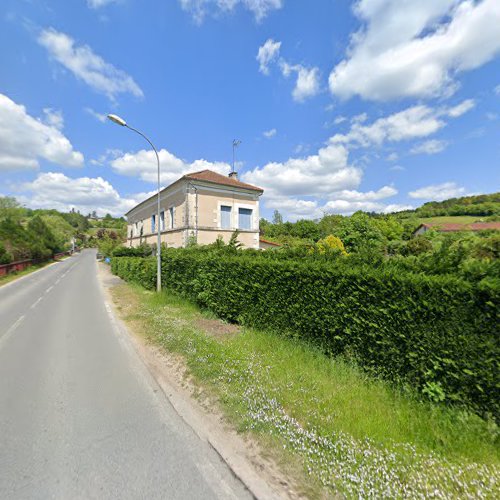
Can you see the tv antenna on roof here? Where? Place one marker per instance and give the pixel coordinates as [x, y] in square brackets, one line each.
[236, 143]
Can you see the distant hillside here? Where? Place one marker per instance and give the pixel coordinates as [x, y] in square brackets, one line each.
[38, 234]
[481, 205]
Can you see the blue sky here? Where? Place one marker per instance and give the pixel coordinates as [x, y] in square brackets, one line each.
[373, 105]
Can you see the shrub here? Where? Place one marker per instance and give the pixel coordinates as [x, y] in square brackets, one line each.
[436, 333]
[331, 245]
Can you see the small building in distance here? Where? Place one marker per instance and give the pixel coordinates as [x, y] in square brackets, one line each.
[267, 245]
[199, 207]
[453, 228]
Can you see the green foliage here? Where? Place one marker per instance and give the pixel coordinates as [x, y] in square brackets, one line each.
[436, 333]
[11, 209]
[5, 257]
[17, 241]
[45, 243]
[140, 251]
[417, 246]
[360, 233]
[330, 245]
[61, 229]
[107, 245]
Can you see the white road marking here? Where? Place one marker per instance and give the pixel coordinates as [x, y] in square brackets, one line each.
[49, 289]
[35, 303]
[11, 330]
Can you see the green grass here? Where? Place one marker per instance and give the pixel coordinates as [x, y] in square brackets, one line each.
[13, 276]
[352, 433]
[451, 219]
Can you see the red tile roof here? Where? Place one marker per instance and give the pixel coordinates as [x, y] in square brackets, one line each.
[207, 176]
[215, 178]
[262, 240]
[453, 227]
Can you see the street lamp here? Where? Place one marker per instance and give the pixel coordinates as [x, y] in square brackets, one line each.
[120, 121]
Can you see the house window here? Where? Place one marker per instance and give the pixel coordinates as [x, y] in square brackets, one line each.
[153, 223]
[225, 217]
[162, 220]
[171, 213]
[245, 218]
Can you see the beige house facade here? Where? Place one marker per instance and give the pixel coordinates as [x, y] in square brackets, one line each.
[199, 207]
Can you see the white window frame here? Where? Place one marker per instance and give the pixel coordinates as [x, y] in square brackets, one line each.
[253, 208]
[231, 216]
[153, 229]
[171, 216]
[162, 220]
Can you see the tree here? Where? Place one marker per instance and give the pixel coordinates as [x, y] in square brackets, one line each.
[10, 208]
[43, 236]
[306, 229]
[277, 217]
[360, 232]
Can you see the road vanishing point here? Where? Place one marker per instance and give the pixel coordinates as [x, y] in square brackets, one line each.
[80, 416]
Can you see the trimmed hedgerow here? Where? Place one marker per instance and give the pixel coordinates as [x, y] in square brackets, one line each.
[436, 333]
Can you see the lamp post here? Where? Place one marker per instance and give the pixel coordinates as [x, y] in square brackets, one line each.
[120, 121]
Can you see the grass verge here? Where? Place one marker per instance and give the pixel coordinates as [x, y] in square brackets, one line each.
[13, 276]
[352, 434]
[454, 219]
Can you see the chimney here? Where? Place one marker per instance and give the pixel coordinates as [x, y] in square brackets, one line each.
[233, 175]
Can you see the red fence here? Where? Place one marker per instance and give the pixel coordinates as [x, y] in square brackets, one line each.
[21, 265]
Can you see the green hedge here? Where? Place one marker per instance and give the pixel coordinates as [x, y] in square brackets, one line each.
[436, 333]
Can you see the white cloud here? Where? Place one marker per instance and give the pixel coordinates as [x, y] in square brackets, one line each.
[492, 116]
[384, 192]
[56, 190]
[268, 134]
[95, 4]
[54, 118]
[200, 8]
[315, 175]
[361, 118]
[411, 123]
[397, 168]
[429, 147]
[415, 49]
[24, 140]
[339, 120]
[497, 90]
[101, 117]
[268, 53]
[396, 207]
[142, 164]
[307, 83]
[349, 201]
[414, 122]
[87, 66]
[341, 202]
[461, 108]
[294, 208]
[438, 192]
[393, 156]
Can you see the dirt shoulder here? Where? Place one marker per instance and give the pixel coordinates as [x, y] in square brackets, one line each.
[245, 457]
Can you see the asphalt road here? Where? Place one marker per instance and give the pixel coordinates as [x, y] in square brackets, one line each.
[80, 417]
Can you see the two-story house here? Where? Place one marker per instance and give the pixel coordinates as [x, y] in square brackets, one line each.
[198, 207]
